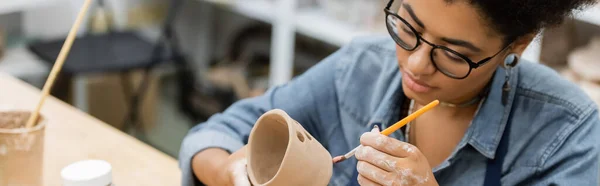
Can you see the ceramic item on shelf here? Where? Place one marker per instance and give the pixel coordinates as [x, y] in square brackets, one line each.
[21, 149]
[568, 74]
[557, 43]
[584, 61]
[592, 89]
[281, 152]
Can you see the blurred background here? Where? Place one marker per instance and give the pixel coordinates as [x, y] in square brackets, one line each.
[156, 68]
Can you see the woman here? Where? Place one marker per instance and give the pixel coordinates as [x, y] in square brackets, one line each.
[502, 120]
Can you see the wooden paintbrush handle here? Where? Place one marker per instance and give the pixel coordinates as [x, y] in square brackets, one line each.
[409, 118]
[64, 52]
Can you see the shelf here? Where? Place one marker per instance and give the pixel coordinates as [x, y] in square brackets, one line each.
[310, 22]
[220, 2]
[590, 15]
[11, 6]
[261, 10]
[314, 23]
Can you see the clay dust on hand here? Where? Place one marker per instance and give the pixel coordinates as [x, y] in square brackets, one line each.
[239, 173]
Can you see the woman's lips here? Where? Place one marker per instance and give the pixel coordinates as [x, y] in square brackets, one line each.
[415, 85]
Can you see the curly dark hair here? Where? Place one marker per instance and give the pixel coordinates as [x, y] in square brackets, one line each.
[515, 18]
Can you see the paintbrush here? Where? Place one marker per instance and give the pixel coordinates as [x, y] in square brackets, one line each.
[60, 60]
[391, 129]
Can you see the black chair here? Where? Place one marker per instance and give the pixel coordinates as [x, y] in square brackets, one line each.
[123, 52]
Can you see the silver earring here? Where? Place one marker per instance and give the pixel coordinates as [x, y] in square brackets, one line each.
[509, 62]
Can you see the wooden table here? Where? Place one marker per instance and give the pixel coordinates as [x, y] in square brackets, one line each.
[72, 135]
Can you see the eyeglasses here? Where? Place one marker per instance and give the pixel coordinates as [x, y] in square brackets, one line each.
[445, 60]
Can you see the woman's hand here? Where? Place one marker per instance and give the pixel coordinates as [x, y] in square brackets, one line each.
[235, 169]
[217, 167]
[386, 161]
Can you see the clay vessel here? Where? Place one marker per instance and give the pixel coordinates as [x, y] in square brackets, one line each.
[281, 152]
[21, 150]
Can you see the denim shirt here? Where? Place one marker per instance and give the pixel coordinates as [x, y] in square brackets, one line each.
[554, 125]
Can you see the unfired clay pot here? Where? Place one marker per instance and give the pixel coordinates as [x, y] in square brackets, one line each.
[21, 150]
[281, 152]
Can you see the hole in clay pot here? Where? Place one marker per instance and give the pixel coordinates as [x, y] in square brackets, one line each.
[300, 136]
[308, 135]
[268, 148]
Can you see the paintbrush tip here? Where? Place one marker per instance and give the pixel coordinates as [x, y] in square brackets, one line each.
[338, 159]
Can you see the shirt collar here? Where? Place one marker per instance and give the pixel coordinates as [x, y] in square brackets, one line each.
[488, 124]
[491, 118]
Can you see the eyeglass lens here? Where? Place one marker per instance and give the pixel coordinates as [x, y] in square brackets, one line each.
[446, 61]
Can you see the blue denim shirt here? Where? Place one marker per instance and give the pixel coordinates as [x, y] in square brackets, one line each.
[554, 125]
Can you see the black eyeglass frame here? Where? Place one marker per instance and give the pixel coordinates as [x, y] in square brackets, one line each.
[472, 65]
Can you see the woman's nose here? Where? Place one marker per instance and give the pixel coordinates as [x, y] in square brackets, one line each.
[419, 61]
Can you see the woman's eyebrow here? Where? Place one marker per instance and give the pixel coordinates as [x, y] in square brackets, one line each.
[412, 14]
[451, 41]
[461, 43]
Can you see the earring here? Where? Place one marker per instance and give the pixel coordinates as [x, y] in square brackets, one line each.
[510, 62]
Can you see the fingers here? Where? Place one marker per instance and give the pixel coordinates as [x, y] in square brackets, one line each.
[377, 158]
[365, 181]
[388, 145]
[239, 173]
[374, 174]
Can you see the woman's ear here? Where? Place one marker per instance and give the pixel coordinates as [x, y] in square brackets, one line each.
[521, 43]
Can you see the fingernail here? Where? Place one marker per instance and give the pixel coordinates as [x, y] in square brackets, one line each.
[375, 128]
